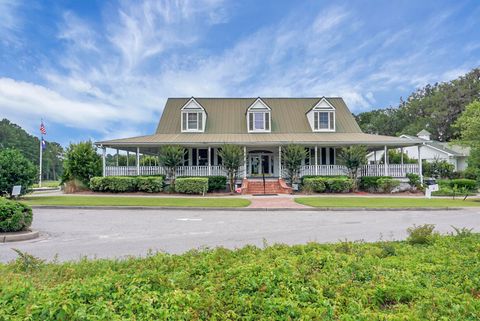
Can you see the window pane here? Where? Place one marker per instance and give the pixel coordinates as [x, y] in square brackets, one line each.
[323, 120]
[324, 156]
[258, 120]
[192, 120]
[202, 157]
[332, 156]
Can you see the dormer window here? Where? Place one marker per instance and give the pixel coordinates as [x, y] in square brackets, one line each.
[323, 120]
[193, 117]
[322, 117]
[258, 117]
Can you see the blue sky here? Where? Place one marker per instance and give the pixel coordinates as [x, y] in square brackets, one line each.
[104, 69]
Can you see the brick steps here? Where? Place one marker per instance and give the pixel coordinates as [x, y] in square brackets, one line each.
[271, 187]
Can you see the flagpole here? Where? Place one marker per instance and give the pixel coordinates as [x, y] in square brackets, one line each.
[41, 152]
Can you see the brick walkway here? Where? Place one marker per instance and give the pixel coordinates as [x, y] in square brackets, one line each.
[274, 202]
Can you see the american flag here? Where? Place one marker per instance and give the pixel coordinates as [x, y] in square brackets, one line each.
[42, 129]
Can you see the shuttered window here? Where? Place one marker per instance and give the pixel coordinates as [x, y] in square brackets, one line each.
[323, 120]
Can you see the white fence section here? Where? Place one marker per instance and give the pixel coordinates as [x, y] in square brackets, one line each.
[394, 170]
[323, 170]
[156, 170]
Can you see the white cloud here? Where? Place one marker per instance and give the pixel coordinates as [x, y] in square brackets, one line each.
[22, 100]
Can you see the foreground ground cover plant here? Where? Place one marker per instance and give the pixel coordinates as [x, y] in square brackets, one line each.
[344, 281]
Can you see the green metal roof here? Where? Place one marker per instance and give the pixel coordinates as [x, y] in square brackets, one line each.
[226, 123]
[227, 115]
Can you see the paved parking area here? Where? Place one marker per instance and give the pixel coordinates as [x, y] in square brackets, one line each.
[73, 233]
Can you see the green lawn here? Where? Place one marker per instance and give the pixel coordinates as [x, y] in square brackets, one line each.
[342, 281]
[385, 202]
[48, 184]
[135, 201]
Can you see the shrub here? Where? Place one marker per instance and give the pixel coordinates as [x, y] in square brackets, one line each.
[321, 184]
[81, 162]
[414, 180]
[113, 184]
[217, 183]
[121, 184]
[14, 216]
[15, 169]
[464, 183]
[314, 184]
[387, 185]
[370, 183]
[153, 184]
[191, 185]
[462, 232]
[438, 169]
[339, 185]
[422, 234]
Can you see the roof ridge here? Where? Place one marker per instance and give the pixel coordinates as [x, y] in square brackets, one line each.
[319, 97]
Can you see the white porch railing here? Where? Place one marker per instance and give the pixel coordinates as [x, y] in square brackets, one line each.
[156, 170]
[394, 170]
[323, 170]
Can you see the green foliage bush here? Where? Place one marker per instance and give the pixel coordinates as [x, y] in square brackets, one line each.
[468, 184]
[14, 216]
[414, 180]
[149, 184]
[81, 162]
[327, 184]
[215, 183]
[121, 184]
[351, 281]
[370, 183]
[15, 169]
[387, 185]
[314, 184]
[422, 234]
[438, 169]
[191, 185]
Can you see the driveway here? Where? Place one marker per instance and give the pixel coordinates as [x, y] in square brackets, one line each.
[73, 233]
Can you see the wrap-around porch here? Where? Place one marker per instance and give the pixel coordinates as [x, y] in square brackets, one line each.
[257, 162]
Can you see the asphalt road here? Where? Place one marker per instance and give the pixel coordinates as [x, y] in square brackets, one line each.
[70, 234]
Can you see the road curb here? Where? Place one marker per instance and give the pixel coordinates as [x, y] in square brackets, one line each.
[18, 236]
[249, 209]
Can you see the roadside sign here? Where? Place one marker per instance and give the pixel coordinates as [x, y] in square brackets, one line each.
[16, 190]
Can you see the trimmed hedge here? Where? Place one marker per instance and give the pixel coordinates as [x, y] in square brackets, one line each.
[370, 183]
[121, 184]
[215, 183]
[14, 216]
[468, 184]
[321, 184]
[191, 185]
[387, 185]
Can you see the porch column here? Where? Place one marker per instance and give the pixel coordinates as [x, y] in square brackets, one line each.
[244, 161]
[117, 157]
[385, 159]
[209, 161]
[138, 161]
[104, 151]
[401, 162]
[420, 170]
[316, 160]
[279, 161]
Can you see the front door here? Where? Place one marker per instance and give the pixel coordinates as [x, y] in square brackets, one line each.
[260, 164]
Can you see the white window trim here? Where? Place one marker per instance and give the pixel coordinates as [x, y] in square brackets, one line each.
[265, 110]
[320, 107]
[254, 130]
[324, 129]
[200, 110]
